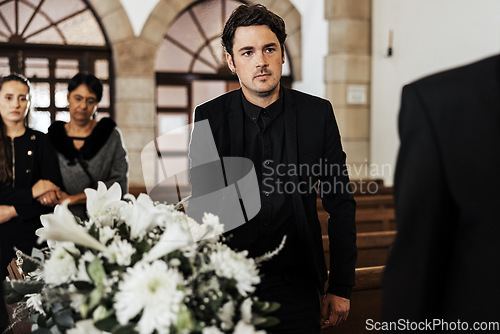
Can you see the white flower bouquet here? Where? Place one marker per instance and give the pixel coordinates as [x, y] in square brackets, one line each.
[138, 267]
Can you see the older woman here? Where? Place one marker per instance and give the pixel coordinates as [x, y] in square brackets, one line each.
[88, 151]
[28, 171]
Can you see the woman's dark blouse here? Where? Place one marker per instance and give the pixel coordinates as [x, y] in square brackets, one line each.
[34, 160]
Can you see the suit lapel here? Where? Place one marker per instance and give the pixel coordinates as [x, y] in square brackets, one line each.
[290, 127]
[291, 143]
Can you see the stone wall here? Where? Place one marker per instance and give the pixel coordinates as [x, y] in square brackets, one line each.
[134, 61]
[347, 67]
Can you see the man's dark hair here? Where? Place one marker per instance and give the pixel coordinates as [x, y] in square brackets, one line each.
[252, 15]
[90, 80]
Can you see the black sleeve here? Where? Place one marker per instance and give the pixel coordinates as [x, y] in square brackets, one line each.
[415, 264]
[340, 205]
[48, 170]
[13, 196]
[49, 165]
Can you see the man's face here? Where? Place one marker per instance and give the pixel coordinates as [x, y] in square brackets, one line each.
[257, 60]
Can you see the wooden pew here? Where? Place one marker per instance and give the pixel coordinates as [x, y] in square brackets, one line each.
[373, 248]
[385, 201]
[367, 220]
[372, 220]
[366, 301]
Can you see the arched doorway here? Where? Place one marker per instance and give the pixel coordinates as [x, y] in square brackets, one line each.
[49, 41]
[191, 69]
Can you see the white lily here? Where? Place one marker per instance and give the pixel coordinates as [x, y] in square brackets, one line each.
[98, 201]
[176, 236]
[140, 216]
[62, 226]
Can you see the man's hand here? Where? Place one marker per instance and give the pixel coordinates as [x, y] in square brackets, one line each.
[7, 212]
[334, 310]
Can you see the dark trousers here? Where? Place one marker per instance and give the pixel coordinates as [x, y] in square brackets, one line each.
[300, 304]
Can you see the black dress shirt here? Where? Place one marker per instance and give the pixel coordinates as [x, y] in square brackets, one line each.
[264, 145]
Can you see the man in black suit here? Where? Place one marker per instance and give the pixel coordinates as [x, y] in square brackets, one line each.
[293, 141]
[444, 263]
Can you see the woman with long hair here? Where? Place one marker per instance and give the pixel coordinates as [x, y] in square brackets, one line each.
[28, 171]
[88, 151]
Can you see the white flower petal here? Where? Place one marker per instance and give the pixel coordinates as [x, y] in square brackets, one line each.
[152, 289]
[175, 237]
[62, 226]
[102, 199]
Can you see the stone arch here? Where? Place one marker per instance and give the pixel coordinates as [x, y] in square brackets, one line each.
[166, 11]
[134, 61]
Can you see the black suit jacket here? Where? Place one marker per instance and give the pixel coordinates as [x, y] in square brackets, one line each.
[311, 138]
[445, 261]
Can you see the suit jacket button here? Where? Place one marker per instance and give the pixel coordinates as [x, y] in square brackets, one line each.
[30, 152]
[28, 171]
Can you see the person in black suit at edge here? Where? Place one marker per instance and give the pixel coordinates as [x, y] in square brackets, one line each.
[444, 263]
[279, 129]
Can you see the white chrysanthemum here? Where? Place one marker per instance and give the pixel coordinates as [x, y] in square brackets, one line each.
[84, 327]
[244, 328]
[152, 289]
[120, 252]
[230, 264]
[168, 216]
[211, 284]
[106, 233]
[82, 274]
[214, 228]
[226, 314]
[211, 330]
[60, 267]
[198, 231]
[34, 302]
[246, 310]
[211, 227]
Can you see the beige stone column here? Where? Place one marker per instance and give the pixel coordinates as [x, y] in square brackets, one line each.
[133, 59]
[347, 76]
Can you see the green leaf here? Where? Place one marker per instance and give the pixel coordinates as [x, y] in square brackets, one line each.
[29, 265]
[95, 297]
[83, 285]
[64, 319]
[38, 319]
[96, 271]
[107, 324]
[101, 313]
[41, 331]
[127, 329]
[266, 307]
[123, 231]
[269, 321]
[25, 287]
[93, 231]
[14, 297]
[7, 288]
